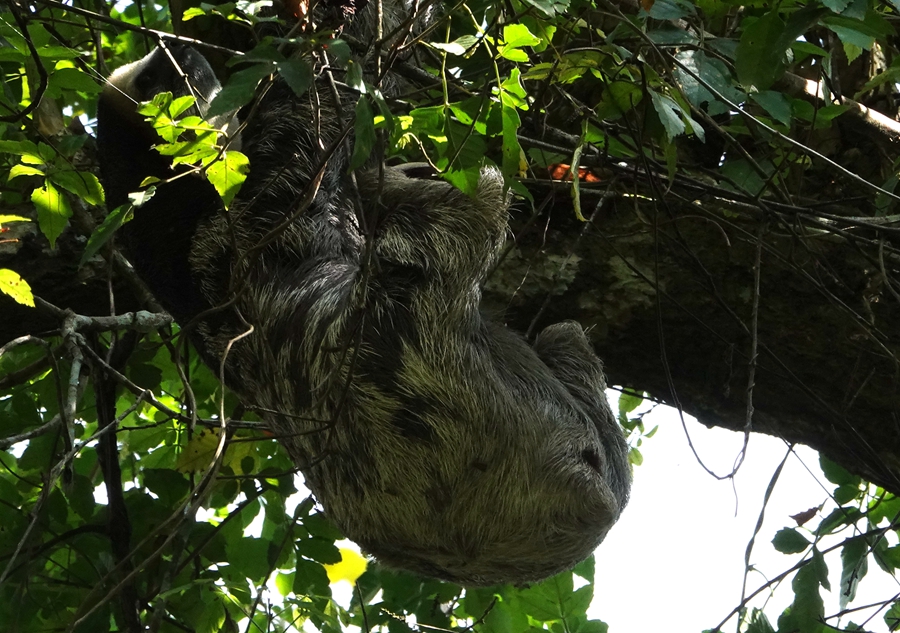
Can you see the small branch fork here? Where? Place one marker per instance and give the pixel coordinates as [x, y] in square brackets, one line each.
[82, 348]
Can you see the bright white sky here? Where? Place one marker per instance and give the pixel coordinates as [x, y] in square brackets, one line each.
[675, 559]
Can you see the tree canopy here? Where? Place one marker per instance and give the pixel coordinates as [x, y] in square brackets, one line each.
[710, 185]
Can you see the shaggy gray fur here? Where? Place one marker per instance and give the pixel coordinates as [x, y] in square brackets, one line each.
[440, 442]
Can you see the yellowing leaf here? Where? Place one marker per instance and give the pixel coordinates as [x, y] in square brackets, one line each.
[16, 287]
[12, 218]
[351, 567]
[199, 452]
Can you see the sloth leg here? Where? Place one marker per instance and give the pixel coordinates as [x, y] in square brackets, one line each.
[435, 229]
[566, 350]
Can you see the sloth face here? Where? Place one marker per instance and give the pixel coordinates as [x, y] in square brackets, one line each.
[176, 68]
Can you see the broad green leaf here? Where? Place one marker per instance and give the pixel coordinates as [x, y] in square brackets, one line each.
[53, 211]
[635, 456]
[250, 557]
[836, 5]
[364, 134]
[169, 485]
[512, 151]
[892, 617]
[24, 170]
[228, 175]
[759, 60]
[465, 180]
[820, 567]
[629, 401]
[618, 98]
[669, 114]
[837, 474]
[807, 610]
[13, 285]
[757, 622]
[854, 565]
[459, 46]
[775, 103]
[311, 579]
[105, 231]
[284, 583]
[790, 541]
[240, 89]
[671, 9]
[83, 184]
[696, 71]
[74, 79]
[518, 35]
[298, 74]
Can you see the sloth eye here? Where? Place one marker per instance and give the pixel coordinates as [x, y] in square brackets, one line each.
[145, 83]
[592, 458]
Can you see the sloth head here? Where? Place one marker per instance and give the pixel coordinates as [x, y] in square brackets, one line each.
[125, 140]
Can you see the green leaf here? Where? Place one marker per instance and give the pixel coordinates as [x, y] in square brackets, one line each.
[759, 61]
[854, 565]
[13, 285]
[593, 626]
[554, 599]
[887, 507]
[807, 610]
[6, 218]
[518, 35]
[836, 5]
[298, 74]
[790, 541]
[24, 170]
[228, 175]
[629, 401]
[513, 54]
[760, 55]
[284, 583]
[512, 151]
[105, 231]
[169, 485]
[846, 493]
[669, 114]
[837, 474]
[618, 98]
[459, 46]
[74, 79]
[310, 579]
[775, 103]
[83, 184]
[250, 557]
[240, 89]
[757, 622]
[364, 134]
[53, 211]
[696, 71]
[320, 550]
[635, 456]
[671, 9]
[821, 568]
[466, 180]
[892, 617]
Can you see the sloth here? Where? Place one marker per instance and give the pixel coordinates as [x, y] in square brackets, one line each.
[345, 306]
